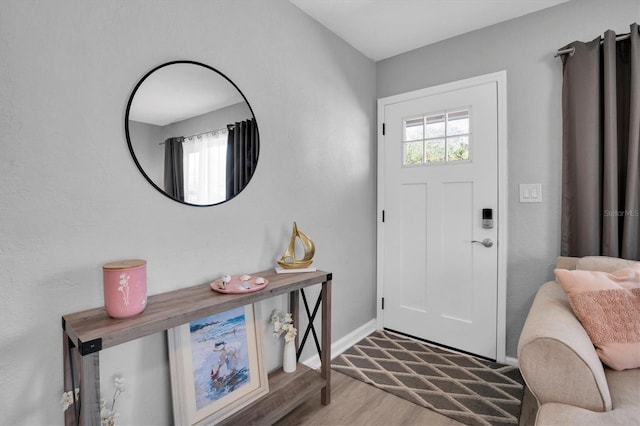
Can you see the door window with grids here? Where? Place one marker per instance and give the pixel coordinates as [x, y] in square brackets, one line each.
[438, 138]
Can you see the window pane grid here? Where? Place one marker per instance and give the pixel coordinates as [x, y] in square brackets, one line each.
[437, 138]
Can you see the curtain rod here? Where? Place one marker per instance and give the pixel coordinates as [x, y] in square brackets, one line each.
[203, 133]
[571, 50]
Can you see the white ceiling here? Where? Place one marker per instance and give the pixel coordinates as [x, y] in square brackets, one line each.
[384, 28]
[179, 91]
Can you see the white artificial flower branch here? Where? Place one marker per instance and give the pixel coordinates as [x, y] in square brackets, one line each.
[283, 325]
[67, 399]
[107, 415]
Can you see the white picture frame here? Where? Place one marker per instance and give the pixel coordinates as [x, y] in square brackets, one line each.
[217, 366]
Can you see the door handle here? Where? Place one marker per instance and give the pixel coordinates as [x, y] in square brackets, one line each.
[486, 242]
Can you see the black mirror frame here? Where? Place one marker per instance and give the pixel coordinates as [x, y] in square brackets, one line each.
[128, 136]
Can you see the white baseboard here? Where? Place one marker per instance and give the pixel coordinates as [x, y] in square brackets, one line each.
[511, 361]
[343, 344]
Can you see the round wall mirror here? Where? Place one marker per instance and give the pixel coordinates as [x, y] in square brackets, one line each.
[192, 133]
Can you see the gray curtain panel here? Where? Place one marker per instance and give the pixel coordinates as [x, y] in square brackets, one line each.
[174, 168]
[243, 145]
[601, 148]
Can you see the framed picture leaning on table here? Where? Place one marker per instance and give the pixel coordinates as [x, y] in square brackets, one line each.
[217, 366]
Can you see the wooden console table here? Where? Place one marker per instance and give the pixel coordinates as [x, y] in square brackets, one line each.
[86, 333]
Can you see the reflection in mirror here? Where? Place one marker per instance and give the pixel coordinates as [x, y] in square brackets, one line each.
[192, 133]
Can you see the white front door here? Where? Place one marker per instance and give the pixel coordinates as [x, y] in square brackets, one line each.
[440, 174]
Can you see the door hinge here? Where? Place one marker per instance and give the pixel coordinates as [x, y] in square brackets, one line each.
[383, 216]
[383, 129]
[383, 303]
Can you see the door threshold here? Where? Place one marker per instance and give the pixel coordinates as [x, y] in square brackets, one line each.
[437, 345]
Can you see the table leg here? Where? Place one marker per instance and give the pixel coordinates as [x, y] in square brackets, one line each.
[325, 357]
[90, 389]
[82, 372]
[294, 308]
[70, 377]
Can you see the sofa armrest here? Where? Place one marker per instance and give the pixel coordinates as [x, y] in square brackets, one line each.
[556, 356]
[625, 397]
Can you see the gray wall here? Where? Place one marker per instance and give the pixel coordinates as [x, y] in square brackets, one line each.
[145, 140]
[524, 47]
[72, 199]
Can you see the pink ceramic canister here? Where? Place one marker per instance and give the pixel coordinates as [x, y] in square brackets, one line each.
[125, 287]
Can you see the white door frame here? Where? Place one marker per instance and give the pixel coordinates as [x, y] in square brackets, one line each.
[500, 78]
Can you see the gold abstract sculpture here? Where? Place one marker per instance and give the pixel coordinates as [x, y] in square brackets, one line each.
[289, 260]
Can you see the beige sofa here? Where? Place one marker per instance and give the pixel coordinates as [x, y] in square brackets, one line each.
[567, 384]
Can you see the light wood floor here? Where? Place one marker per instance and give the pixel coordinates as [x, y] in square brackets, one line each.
[356, 403]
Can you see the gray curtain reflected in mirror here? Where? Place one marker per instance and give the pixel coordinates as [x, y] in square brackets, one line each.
[174, 168]
[192, 133]
[242, 155]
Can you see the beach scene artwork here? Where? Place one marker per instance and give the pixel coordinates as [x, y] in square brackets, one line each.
[220, 356]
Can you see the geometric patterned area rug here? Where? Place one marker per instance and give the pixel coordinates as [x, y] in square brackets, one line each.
[470, 390]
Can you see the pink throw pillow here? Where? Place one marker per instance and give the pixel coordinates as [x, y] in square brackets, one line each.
[608, 306]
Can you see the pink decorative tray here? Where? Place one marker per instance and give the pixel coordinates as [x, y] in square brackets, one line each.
[236, 285]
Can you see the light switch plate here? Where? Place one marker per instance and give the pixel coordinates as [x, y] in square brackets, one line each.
[530, 193]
